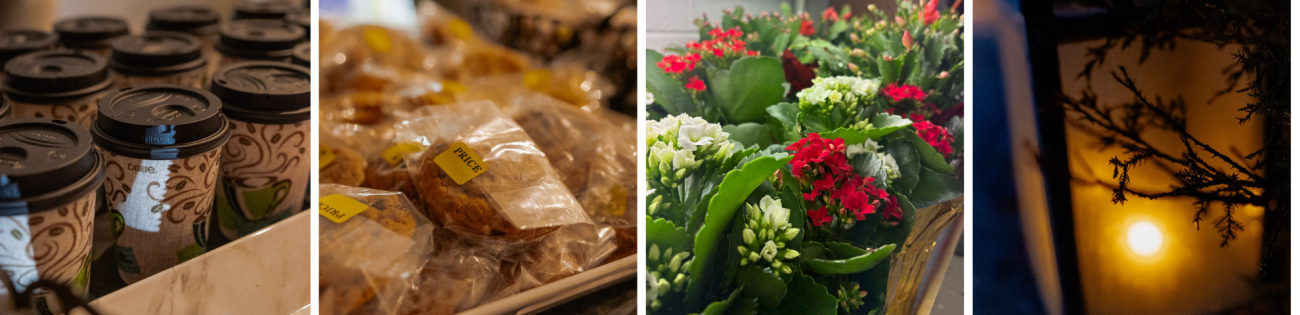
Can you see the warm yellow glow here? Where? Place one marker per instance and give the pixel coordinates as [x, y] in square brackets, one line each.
[1144, 238]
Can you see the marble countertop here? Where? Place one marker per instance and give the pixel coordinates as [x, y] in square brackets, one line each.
[262, 273]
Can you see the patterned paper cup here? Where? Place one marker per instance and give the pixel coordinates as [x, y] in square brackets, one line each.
[57, 84]
[46, 221]
[162, 148]
[266, 164]
[91, 33]
[257, 39]
[159, 57]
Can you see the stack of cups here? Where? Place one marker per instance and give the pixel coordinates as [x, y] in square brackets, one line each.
[49, 172]
[258, 40]
[159, 57]
[266, 164]
[94, 33]
[57, 84]
[162, 149]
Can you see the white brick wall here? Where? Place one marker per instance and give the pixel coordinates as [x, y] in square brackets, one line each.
[669, 22]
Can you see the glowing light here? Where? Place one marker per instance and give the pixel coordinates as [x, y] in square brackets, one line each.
[1144, 238]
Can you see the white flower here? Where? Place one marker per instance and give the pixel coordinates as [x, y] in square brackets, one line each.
[864, 147]
[667, 125]
[778, 216]
[692, 136]
[769, 251]
[891, 166]
[684, 159]
[865, 87]
[662, 153]
[651, 287]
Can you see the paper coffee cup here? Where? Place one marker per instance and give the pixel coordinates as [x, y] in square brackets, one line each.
[266, 164]
[57, 84]
[158, 57]
[262, 10]
[91, 33]
[258, 40]
[197, 20]
[47, 202]
[162, 149]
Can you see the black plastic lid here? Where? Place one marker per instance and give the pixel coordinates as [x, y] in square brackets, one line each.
[260, 39]
[160, 122]
[262, 10]
[90, 32]
[302, 55]
[53, 74]
[264, 92]
[45, 164]
[157, 53]
[191, 19]
[14, 43]
[300, 16]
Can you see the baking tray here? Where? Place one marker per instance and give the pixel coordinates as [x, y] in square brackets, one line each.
[555, 293]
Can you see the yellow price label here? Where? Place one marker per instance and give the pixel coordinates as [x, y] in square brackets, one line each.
[339, 208]
[537, 80]
[461, 163]
[453, 87]
[460, 29]
[378, 40]
[326, 155]
[397, 153]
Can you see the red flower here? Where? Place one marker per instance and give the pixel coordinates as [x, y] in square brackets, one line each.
[694, 58]
[735, 32]
[694, 83]
[893, 210]
[751, 53]
[717, 32]
[806, 29]
[931, 12]
[830, 15]
[819, 216]
[937, 136]
[899, 93]
[916, 117]
[717, 52]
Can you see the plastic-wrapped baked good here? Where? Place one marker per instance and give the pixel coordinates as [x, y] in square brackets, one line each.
[517, 196]
[347, 168]
[369, 262]
[594, 157]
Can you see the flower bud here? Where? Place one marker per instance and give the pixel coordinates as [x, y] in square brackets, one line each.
[749, 237]
[900, 21]
[888, 58]
[907, 40]
[942, 75]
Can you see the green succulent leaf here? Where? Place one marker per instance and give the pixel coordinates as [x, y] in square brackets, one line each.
[805, 296]
[745, 90]
[733, 190]
[850, 265]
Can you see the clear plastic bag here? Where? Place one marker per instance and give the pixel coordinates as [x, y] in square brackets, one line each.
[370, 262]
[594, 157]
[519, 197]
